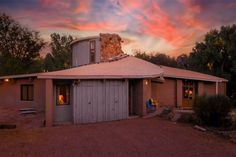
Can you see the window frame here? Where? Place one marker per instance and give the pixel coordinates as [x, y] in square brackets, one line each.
[27, 86]
[189, 85]
[92, 51]
[69, 94]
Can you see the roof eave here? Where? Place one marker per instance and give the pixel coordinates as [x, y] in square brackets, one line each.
[98, 76]
[198, 79]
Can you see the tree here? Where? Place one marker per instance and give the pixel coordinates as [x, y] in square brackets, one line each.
[216, 55]
[182, 61]
[19, 48]
[157, 58]
[60, 57]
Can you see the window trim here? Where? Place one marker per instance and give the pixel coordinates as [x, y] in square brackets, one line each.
[92, 51]
[27, 92]
[189, 85]
[69, 95]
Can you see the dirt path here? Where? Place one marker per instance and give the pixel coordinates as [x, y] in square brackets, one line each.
[136, 137]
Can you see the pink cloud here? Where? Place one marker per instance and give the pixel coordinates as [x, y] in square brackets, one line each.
[189, 18]
[109, 26]
[58, 4]
[157, 23]
[192, 8]
[83, 6]
[231, 5]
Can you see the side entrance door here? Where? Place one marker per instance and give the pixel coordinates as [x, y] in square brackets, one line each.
[62, 103]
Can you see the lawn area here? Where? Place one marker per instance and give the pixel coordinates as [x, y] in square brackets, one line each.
[135, 137]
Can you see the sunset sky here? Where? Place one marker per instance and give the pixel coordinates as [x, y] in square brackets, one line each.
[165, 26]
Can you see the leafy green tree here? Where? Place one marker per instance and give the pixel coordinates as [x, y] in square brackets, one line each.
[157, 58]
[217, 55]
[19, 48]
[60, 57]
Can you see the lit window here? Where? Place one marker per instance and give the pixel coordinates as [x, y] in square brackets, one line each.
[63, 95]
[92, 47]
[27, 92]
[188, 88]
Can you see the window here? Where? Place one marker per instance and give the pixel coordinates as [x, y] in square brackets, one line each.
[27, 92]
[188, 89]
[63, 94]
[92, 48]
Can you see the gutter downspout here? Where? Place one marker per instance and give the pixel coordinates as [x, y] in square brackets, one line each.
[217, 87]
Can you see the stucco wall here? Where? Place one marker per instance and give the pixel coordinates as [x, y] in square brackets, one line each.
[138, 96]
[209, 88]
[222, 88]
[165, 92]
[10, 93]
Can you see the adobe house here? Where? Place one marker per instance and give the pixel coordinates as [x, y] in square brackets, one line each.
[104, 84]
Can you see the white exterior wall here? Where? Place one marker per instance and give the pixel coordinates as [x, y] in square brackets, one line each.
[99, 100]
[81, 54]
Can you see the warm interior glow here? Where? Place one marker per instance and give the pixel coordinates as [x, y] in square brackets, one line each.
[6, 80]
[61, 99]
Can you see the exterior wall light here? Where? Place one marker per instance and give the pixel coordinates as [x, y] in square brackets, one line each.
[146, 82]
[6, 80]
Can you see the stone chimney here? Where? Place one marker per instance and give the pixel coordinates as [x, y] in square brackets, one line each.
[110, 46]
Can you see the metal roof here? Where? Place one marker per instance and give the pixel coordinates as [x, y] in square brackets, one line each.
[124, 67]
[188, 74]
[128, 67]
[19, 76]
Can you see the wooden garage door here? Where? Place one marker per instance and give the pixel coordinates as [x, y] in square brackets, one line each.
[98, 100]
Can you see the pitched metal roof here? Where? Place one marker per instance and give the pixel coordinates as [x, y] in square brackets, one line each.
[128, 67]
[188, 74]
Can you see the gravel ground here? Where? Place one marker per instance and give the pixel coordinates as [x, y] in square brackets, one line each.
[134, 137]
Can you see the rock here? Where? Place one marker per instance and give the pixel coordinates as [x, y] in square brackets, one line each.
[176, 117]
[200, 128]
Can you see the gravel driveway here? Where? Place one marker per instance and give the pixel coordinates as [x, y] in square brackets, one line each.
[134, 137]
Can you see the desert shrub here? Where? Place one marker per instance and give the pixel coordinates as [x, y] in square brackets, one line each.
[213, 110]
[233, 102]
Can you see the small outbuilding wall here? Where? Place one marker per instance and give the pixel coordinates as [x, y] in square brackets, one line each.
[10, 93]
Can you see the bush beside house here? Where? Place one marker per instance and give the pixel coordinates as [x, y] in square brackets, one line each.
[213, 111]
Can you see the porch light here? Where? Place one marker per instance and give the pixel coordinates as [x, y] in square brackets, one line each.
[6, 80]
[146, 82]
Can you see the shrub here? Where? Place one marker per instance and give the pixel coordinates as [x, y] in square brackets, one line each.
[213, 110]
